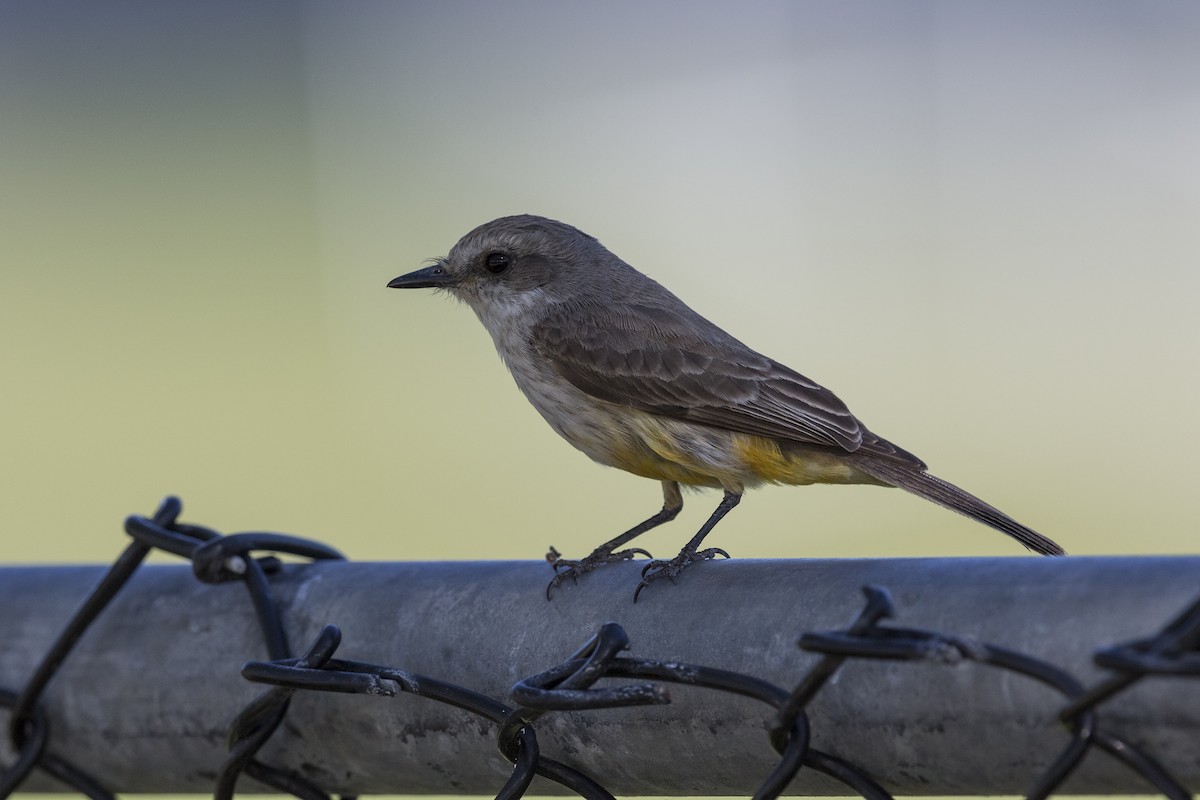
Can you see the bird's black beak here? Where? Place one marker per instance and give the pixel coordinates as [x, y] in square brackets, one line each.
[434, 277]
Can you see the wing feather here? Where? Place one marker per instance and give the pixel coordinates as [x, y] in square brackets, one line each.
[672, 362]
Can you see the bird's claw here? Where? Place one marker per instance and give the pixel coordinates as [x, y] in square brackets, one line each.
[565, 568]
[658, 568]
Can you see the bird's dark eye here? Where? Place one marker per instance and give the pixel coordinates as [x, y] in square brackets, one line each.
[497, 262]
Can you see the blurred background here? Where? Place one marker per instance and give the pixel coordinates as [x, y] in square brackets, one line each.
[979, 224]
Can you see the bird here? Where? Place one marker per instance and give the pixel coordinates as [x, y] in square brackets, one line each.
[634, 378]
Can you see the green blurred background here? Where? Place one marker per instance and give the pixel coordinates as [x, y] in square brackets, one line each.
[978, 223]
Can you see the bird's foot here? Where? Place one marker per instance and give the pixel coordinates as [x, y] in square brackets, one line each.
[567, 568]
[658, 568]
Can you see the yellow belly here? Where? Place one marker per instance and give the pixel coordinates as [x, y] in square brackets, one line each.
[767, 459]
[695, 455]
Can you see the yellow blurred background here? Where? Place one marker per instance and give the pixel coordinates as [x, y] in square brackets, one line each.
[979, 224]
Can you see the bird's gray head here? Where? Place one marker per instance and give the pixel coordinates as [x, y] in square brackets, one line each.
[515, 262]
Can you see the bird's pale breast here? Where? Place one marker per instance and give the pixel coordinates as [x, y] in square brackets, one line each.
[655, 446]
[673, 450]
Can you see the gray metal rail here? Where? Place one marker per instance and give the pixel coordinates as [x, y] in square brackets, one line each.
[145, 701]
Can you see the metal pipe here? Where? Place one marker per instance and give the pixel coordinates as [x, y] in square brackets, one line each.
[146, 699]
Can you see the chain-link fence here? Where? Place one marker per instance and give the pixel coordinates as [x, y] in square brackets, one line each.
[125, 698]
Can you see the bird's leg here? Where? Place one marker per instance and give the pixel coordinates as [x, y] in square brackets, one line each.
[690, 553]
[607, 553]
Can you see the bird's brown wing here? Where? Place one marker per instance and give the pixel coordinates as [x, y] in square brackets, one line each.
[672, 362]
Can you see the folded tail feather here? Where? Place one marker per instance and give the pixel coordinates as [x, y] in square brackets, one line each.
[949, 496]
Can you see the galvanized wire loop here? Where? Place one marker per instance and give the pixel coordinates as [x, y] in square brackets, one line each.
[27, 727]
[578, 684]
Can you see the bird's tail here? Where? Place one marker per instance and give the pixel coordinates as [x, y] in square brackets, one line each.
[950, 496]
